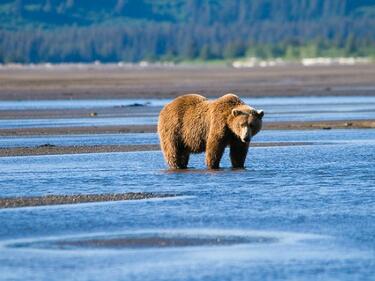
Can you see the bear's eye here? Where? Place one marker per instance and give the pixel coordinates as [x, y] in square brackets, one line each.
[243, 124]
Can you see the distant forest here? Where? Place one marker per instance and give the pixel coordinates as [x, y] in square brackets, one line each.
[33, 31]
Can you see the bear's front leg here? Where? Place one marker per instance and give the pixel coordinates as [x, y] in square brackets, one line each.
[238, 152]
[214, 151]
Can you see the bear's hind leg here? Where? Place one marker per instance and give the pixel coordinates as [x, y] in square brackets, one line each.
[176, 157]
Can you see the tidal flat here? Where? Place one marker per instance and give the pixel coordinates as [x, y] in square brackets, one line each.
[91, 198]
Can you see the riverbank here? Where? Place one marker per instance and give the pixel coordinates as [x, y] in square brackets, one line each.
[168, 82]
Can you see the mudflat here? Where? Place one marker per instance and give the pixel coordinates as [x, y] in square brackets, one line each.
[302, 204]
[289, 125]
[113, 82]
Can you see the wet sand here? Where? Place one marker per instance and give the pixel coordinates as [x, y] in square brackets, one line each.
[161, 242]
[168, 82]
[17, 202]
[115, 111]
[56, 150]
[79, 130]
[295, 125]
[119, 83]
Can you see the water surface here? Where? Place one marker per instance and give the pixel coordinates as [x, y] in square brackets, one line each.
[321, 136]
[315, 203]
[365, 102]
[276, 108]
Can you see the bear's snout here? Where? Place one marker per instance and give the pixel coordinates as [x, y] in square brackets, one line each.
[245, 134]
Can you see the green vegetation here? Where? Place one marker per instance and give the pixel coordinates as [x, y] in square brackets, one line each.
[311, 50]
[180, 30]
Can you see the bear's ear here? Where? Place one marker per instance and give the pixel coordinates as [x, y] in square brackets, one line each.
[260, 114]
[236, 112]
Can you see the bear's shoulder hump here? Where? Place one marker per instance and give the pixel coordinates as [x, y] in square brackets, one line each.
[191, 98]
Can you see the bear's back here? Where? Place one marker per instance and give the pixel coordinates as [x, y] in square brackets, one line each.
[188, 100]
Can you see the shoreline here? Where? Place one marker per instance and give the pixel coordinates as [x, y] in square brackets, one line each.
[130, 129]
[103, 83]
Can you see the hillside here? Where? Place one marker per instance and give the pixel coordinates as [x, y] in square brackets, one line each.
[133, 30]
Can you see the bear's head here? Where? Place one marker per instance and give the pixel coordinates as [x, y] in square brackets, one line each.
[245, 122]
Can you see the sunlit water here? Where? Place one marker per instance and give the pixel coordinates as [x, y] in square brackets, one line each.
[325, 136]
[366, 102]
[315, 203]
[276, 108]
[152, 120]
[80, 140]
[75, 122]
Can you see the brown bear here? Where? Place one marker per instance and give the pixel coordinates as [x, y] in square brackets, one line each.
[193, 124]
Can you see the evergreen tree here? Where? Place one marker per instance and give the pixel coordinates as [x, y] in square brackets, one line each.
[133, 30]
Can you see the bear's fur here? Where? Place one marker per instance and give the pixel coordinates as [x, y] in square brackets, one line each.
[193, 124]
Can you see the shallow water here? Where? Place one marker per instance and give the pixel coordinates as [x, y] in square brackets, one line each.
[343, 101]
[152, 120]
[315, 204]
[80, 140]
[78, 104]
[276, 108]
[324, 136]
[75, 122]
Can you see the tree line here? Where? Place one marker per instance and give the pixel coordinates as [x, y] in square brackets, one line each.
[133, 30]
